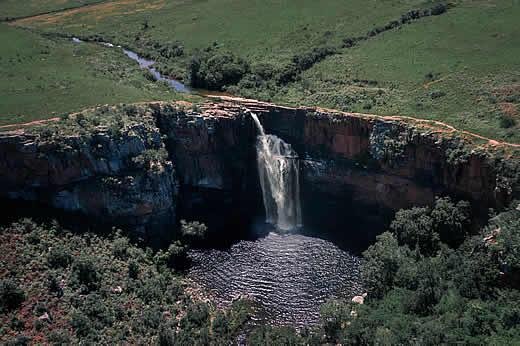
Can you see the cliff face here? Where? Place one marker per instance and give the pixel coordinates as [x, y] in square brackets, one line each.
[367, 167]
[354, 167]
[99, 175]
[214, 155]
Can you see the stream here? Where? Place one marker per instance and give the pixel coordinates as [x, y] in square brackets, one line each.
[146, 64]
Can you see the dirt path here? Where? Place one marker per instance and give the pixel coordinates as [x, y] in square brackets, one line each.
[440, 126]
[54, 11]
[36, 122]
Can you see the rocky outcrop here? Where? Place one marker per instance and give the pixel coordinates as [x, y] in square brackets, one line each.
[370, 166]
[97, 174]
[214, 154]
[356, 169]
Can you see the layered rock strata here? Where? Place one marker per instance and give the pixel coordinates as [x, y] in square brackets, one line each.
[353, 166]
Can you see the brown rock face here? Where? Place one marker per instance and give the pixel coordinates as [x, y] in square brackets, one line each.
[364, 165]
[94, 176]
[354, 166]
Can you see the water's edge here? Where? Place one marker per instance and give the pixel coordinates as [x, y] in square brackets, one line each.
[146, 64]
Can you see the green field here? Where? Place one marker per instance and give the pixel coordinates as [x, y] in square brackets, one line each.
[16, 9]
[44, 77]
[459, 67]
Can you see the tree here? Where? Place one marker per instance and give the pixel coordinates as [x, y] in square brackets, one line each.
[382, 261]
[11, 296]
[193, 231]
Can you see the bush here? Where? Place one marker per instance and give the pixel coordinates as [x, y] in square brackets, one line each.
[59, 338]
[15, 323]
[59, 256]
[193, 231]
[214, 70]
[507, 121]
[121, 245]
[175, 257]
[80, 324]
[85, 273]
[133, 269]
[11, 296]
[20, 340]
[166, 335]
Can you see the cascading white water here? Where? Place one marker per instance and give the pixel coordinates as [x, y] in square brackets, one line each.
[278, 169]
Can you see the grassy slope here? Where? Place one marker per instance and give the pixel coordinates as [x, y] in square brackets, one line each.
[472, 47]
[45, 77]
[17, 8]
[252, 28]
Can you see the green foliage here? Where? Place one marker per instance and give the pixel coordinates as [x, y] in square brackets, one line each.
[193, 231]
[80, 324]
[175, 257]
[383, 260]
[334, 314]
[267, 335]
[121, 246]
[452, 295]
[507, 121]
[424, 228]
[85, 273]
[11, 296]
[133, 269]
[59, 256]
[213, 70]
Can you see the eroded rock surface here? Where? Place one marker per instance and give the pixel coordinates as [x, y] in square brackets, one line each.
[353, 165]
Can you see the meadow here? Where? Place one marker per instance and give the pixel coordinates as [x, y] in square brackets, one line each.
[44, 77]
[458, 66]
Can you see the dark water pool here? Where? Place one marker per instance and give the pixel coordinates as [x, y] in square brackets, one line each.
[289, 275]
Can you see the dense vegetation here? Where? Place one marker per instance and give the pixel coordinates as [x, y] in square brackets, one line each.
[429, 281]
[59, 287]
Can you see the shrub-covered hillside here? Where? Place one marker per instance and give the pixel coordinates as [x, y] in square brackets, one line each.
[62, 288]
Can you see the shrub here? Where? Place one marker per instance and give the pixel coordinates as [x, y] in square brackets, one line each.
[80, 324]
[11, 296]
[166, 335]
[133, 269]
[175, 257]
[15, 323]
[507, 121]
[20, 340]
[193, 231]
[307, 59]
[59, 338]
[221, 326]
[84, 272]
[213, 70]
[120, 247]
[59, 256]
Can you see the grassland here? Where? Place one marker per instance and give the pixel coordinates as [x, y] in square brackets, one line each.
[15, 9]
[43, 77]
[459, 67]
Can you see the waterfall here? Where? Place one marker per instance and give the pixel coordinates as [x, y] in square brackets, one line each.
[278, 169]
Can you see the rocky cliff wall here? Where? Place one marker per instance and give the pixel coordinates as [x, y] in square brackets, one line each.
[162, 162]
[367, 166]
[104, 174]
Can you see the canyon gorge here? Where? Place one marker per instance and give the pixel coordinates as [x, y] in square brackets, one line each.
[353, 168]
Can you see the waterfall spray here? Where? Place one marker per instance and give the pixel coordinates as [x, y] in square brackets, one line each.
[278, 169]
